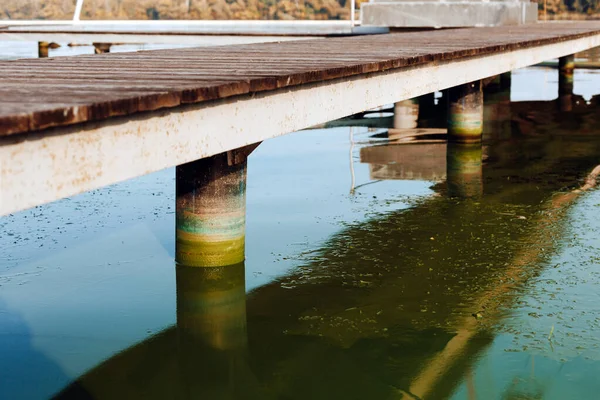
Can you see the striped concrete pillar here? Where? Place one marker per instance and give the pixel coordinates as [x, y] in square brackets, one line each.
[496, 108]
[464, 170]
[493, 83]
[406, 114]
[465, 113]
[102, 48]
[210, 212]
[506, 81]
[566, 67]
[43, 48]
[427, 110]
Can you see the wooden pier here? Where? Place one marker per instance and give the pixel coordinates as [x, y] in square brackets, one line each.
[73, 124]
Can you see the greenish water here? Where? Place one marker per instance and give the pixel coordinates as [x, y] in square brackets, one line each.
[369, 273]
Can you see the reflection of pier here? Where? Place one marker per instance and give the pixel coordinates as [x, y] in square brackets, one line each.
[204, 357]
[416, 147]
[418, 161]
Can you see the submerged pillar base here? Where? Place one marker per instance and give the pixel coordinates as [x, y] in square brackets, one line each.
[465, 113]
[211, 333]
[464, 170]
[211, 305]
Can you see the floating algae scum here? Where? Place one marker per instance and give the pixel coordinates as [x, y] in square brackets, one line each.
[519, 269]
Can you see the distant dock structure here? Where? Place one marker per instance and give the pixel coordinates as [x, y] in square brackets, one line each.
[192, 33]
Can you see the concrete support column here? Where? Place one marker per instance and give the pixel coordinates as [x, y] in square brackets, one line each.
[566, 67]
[492, 83]
[427, 113]
[102, 48]
[506, 81]
[406, 114]
[43, 48]
[442, 108]
[465, 113]
[464, 170]
[496, 108]
[211, 293]
[211, 211]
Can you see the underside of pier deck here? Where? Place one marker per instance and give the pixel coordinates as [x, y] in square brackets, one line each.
[118, 116]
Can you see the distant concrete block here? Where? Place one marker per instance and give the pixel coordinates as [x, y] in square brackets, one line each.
[447, 14]
[530, 11]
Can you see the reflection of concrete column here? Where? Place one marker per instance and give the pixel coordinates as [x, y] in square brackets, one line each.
[101, 48]
[210, 212]
[211, 305]
[464, 170]
[43, 49]
[496, 108]
[566, 67]
[406, 114]
[211, 331]
[465, 113]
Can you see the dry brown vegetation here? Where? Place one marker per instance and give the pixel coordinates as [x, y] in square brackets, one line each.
[235, 9]
[177, 9]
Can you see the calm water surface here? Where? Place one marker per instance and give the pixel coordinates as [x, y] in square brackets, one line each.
[371, 273]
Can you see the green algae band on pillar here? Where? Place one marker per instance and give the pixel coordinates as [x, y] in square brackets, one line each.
[566, 66]
[465, 113]
[211, 212]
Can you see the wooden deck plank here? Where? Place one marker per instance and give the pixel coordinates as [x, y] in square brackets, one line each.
[39, 93]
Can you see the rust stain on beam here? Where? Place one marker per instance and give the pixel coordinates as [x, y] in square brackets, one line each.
[238, 156]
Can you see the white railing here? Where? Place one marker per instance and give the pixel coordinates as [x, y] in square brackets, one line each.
[78, 10]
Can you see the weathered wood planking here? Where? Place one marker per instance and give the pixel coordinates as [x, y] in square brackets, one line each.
[40, 93]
